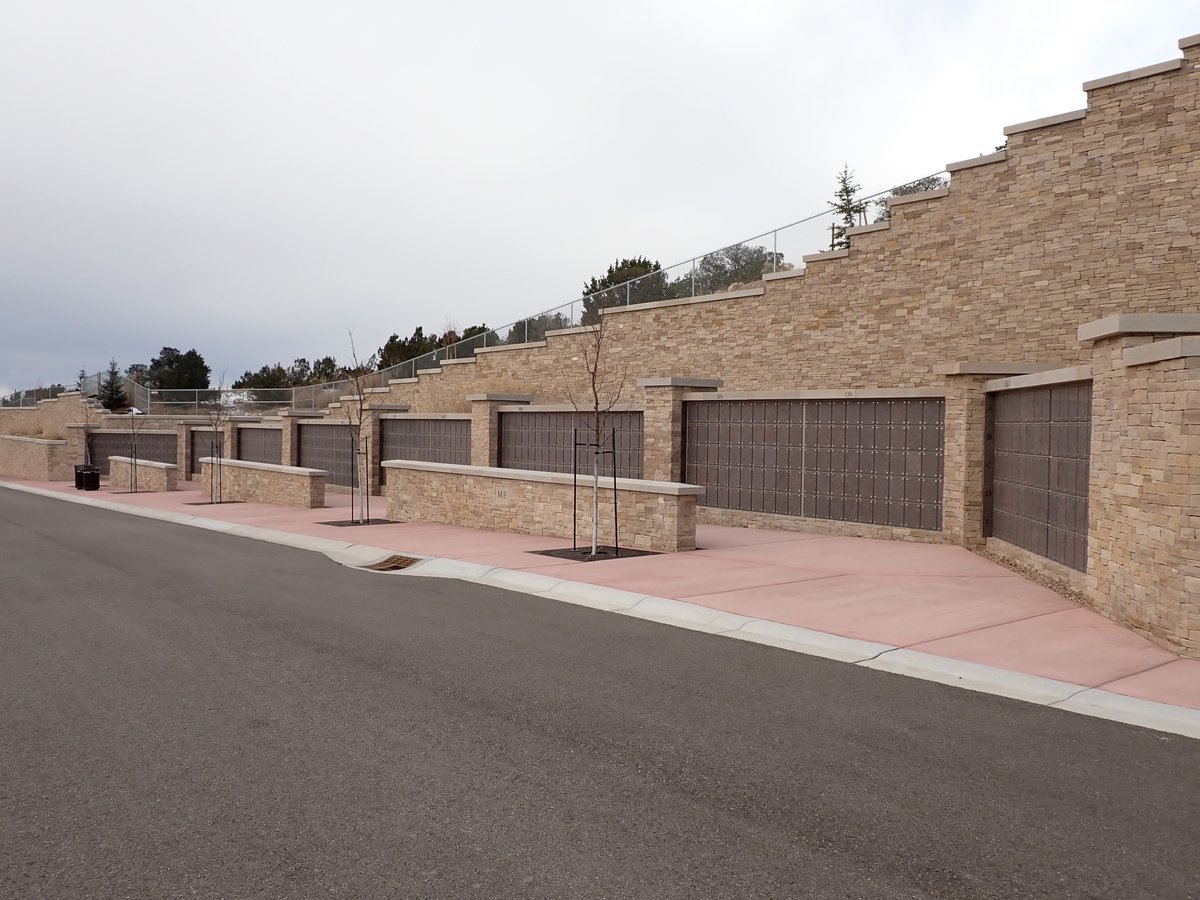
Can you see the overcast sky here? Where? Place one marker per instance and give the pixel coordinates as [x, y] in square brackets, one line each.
[254, 178]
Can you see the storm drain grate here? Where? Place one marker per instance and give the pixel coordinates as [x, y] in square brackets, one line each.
[392, 564]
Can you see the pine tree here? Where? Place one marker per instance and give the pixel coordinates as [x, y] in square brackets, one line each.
[850, 211]
[112, 388]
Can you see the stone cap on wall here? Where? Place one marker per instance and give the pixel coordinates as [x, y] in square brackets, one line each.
[1139, 323]
[530, 345]
[985, 160]
[499, 398]
[127, 431]
[991, 367]
[868, 229]
[914, 393]
[28, 440]
[680, 382]
[1061, 118]
[149, 463]
[565, 407]
[394, 416]
[302, 413]
[1170, 65]
[824, 255]
[782, 274]
[1192, 41]
[265, 467]
[1039, 379]
[682, 301]
[458, 362]
[259, 425]
[669, 488]
[1161, 351]
[902, 199]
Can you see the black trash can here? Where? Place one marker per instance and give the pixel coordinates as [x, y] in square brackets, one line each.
[90, 478]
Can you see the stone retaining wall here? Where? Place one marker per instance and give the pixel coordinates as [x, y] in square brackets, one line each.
[151, 476]
[653, 515]
[35, 459]
[265, 483]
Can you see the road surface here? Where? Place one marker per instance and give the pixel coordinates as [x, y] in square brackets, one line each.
[188, 714]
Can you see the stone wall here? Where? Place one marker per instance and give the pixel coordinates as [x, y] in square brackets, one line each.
[35, 459]
[264, 483]
[1144, 521]
[150, 476]
[652, 515]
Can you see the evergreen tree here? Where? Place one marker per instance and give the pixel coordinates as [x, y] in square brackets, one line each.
[112, 388]
[848, 209]
[612, 289]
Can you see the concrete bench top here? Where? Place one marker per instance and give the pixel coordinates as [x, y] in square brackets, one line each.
[624, 484]
[144, 462]
[266, 467]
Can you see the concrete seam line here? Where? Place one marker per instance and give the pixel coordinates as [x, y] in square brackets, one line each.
[1079, 700]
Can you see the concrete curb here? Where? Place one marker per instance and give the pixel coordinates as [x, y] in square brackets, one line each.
[811, 643]
[1133, 711]
[973, 676]
[1074, 698]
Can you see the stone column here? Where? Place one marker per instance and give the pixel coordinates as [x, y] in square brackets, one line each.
[369, 439]
[485, 425]
[183, 448]
[662, 424]
[964, 459]
[290, 439]
[1144, 486]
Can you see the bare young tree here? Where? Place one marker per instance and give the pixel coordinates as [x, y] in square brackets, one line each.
[219, 406]
[594, 394]
[135, 423]
[360, 415]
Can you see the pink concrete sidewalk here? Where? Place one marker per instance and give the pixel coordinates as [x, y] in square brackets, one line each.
[931, 598]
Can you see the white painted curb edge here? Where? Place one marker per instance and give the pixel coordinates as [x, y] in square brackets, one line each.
[1076, 698]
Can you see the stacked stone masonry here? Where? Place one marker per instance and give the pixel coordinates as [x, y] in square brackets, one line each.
[125, 474]
[652, 515]
[263, 483]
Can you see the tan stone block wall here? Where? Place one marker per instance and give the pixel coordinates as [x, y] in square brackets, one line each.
[965, 456]
[35, 459]
[647, 521]
[22, 421]
[239, 482]
[1144, 508]
[150, 478]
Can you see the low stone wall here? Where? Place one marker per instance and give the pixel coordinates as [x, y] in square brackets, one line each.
[35, 459]
[653, 515]
[151, 476]
[265, 483]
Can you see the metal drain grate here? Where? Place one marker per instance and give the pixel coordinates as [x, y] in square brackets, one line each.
[392, 564]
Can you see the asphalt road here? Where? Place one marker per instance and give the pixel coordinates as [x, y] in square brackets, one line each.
[186, 714]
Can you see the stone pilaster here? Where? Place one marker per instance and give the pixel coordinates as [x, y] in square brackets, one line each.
[963, 463]
[485, 425]
[662, 424]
